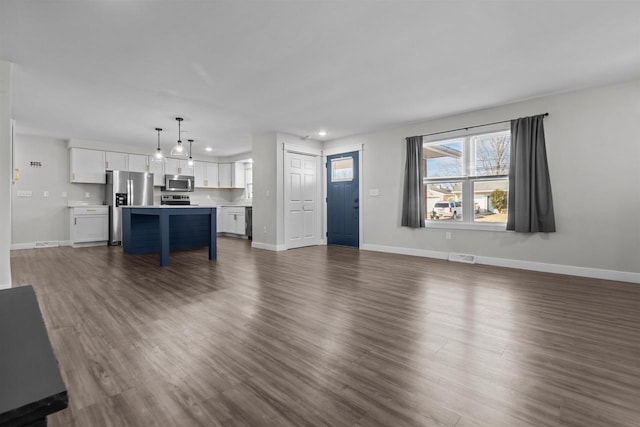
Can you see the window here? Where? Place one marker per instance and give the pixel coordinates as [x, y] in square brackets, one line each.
[466, 179]
[342, 169]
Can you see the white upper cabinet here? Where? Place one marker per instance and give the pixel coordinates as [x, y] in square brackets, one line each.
[157, 169]
[138, 163]
[172, 166]
[225, 175]
[116, 161]
[185, 169]
[177, 167]
[238, 175]
[212, 175]
[87, 166]
[206, 175]
[200, 174]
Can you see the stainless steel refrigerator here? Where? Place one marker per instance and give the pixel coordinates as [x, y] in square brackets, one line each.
[126, 189]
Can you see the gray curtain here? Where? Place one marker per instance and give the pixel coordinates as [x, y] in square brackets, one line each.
[530, 207]
[413, 200]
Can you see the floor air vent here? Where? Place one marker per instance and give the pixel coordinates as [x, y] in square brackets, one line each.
[468, 259]
[52, 244]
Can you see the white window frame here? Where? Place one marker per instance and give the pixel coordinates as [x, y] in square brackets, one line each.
[467, 181]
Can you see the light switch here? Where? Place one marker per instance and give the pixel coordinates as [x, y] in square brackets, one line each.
[64, 194]
[45, 194]
[374, 192]
[87, 195]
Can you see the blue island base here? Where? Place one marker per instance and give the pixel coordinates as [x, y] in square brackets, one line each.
[151, 229]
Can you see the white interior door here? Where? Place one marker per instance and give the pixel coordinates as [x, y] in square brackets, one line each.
[301, 204]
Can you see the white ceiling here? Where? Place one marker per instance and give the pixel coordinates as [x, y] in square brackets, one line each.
[112, 71]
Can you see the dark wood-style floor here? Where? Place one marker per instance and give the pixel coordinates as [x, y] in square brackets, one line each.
[332, 336]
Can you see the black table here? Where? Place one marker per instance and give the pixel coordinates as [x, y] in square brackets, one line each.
[30, 383]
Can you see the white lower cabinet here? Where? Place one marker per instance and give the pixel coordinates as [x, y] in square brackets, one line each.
[89, 225]
[233, 220]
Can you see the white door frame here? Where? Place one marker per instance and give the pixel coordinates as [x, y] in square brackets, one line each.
[308, 151]
[341, 150]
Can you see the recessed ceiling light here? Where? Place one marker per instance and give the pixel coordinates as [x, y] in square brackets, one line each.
[322, 133]
[209, 149]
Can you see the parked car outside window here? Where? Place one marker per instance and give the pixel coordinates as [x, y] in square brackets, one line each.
[446, 209]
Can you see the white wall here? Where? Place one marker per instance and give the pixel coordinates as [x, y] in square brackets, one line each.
[39, 218]
[268, 185]
[594, 156]
[5, 174]
[265, 219]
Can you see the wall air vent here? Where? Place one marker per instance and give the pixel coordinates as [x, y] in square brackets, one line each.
[50, 244]
[468, 259]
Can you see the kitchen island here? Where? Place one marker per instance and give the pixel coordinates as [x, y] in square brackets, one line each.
[165, 228]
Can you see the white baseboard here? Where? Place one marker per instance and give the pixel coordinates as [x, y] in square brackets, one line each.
[32, 245]
[595, 273]
[268, 247]
[572, 270]
[405, 251]
[5, 285]
[87, 244]
[19, 246]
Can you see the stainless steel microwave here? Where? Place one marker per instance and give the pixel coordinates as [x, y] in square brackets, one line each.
[178, 183]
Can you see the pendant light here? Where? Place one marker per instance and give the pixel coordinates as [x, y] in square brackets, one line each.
[178, 149]
[190, 162]
[158, 157]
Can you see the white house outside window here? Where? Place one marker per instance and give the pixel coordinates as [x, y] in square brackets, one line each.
[466, 179]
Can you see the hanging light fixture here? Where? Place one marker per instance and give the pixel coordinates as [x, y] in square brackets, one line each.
[158, 156]
[190, 162]
[178, 149]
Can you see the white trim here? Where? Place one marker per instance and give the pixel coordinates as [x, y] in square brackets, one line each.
[87, 244]
[476, 226]
[32, 245]
[268, 247]
[20, 246]
[405, 251]
[572, 270]
[292, 148]
[342, 149]
[5, 285]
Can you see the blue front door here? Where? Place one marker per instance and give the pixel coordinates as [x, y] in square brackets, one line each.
[343, 200]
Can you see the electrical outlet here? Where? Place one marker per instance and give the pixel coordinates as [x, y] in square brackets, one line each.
[265, 228]
[374, 192]
[45, 194]
[87, 195]
[64, 194]
[447, 235]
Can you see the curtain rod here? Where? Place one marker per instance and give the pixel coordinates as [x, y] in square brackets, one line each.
[476, 126]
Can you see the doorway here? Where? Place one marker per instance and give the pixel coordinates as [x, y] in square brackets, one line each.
[343, 199]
